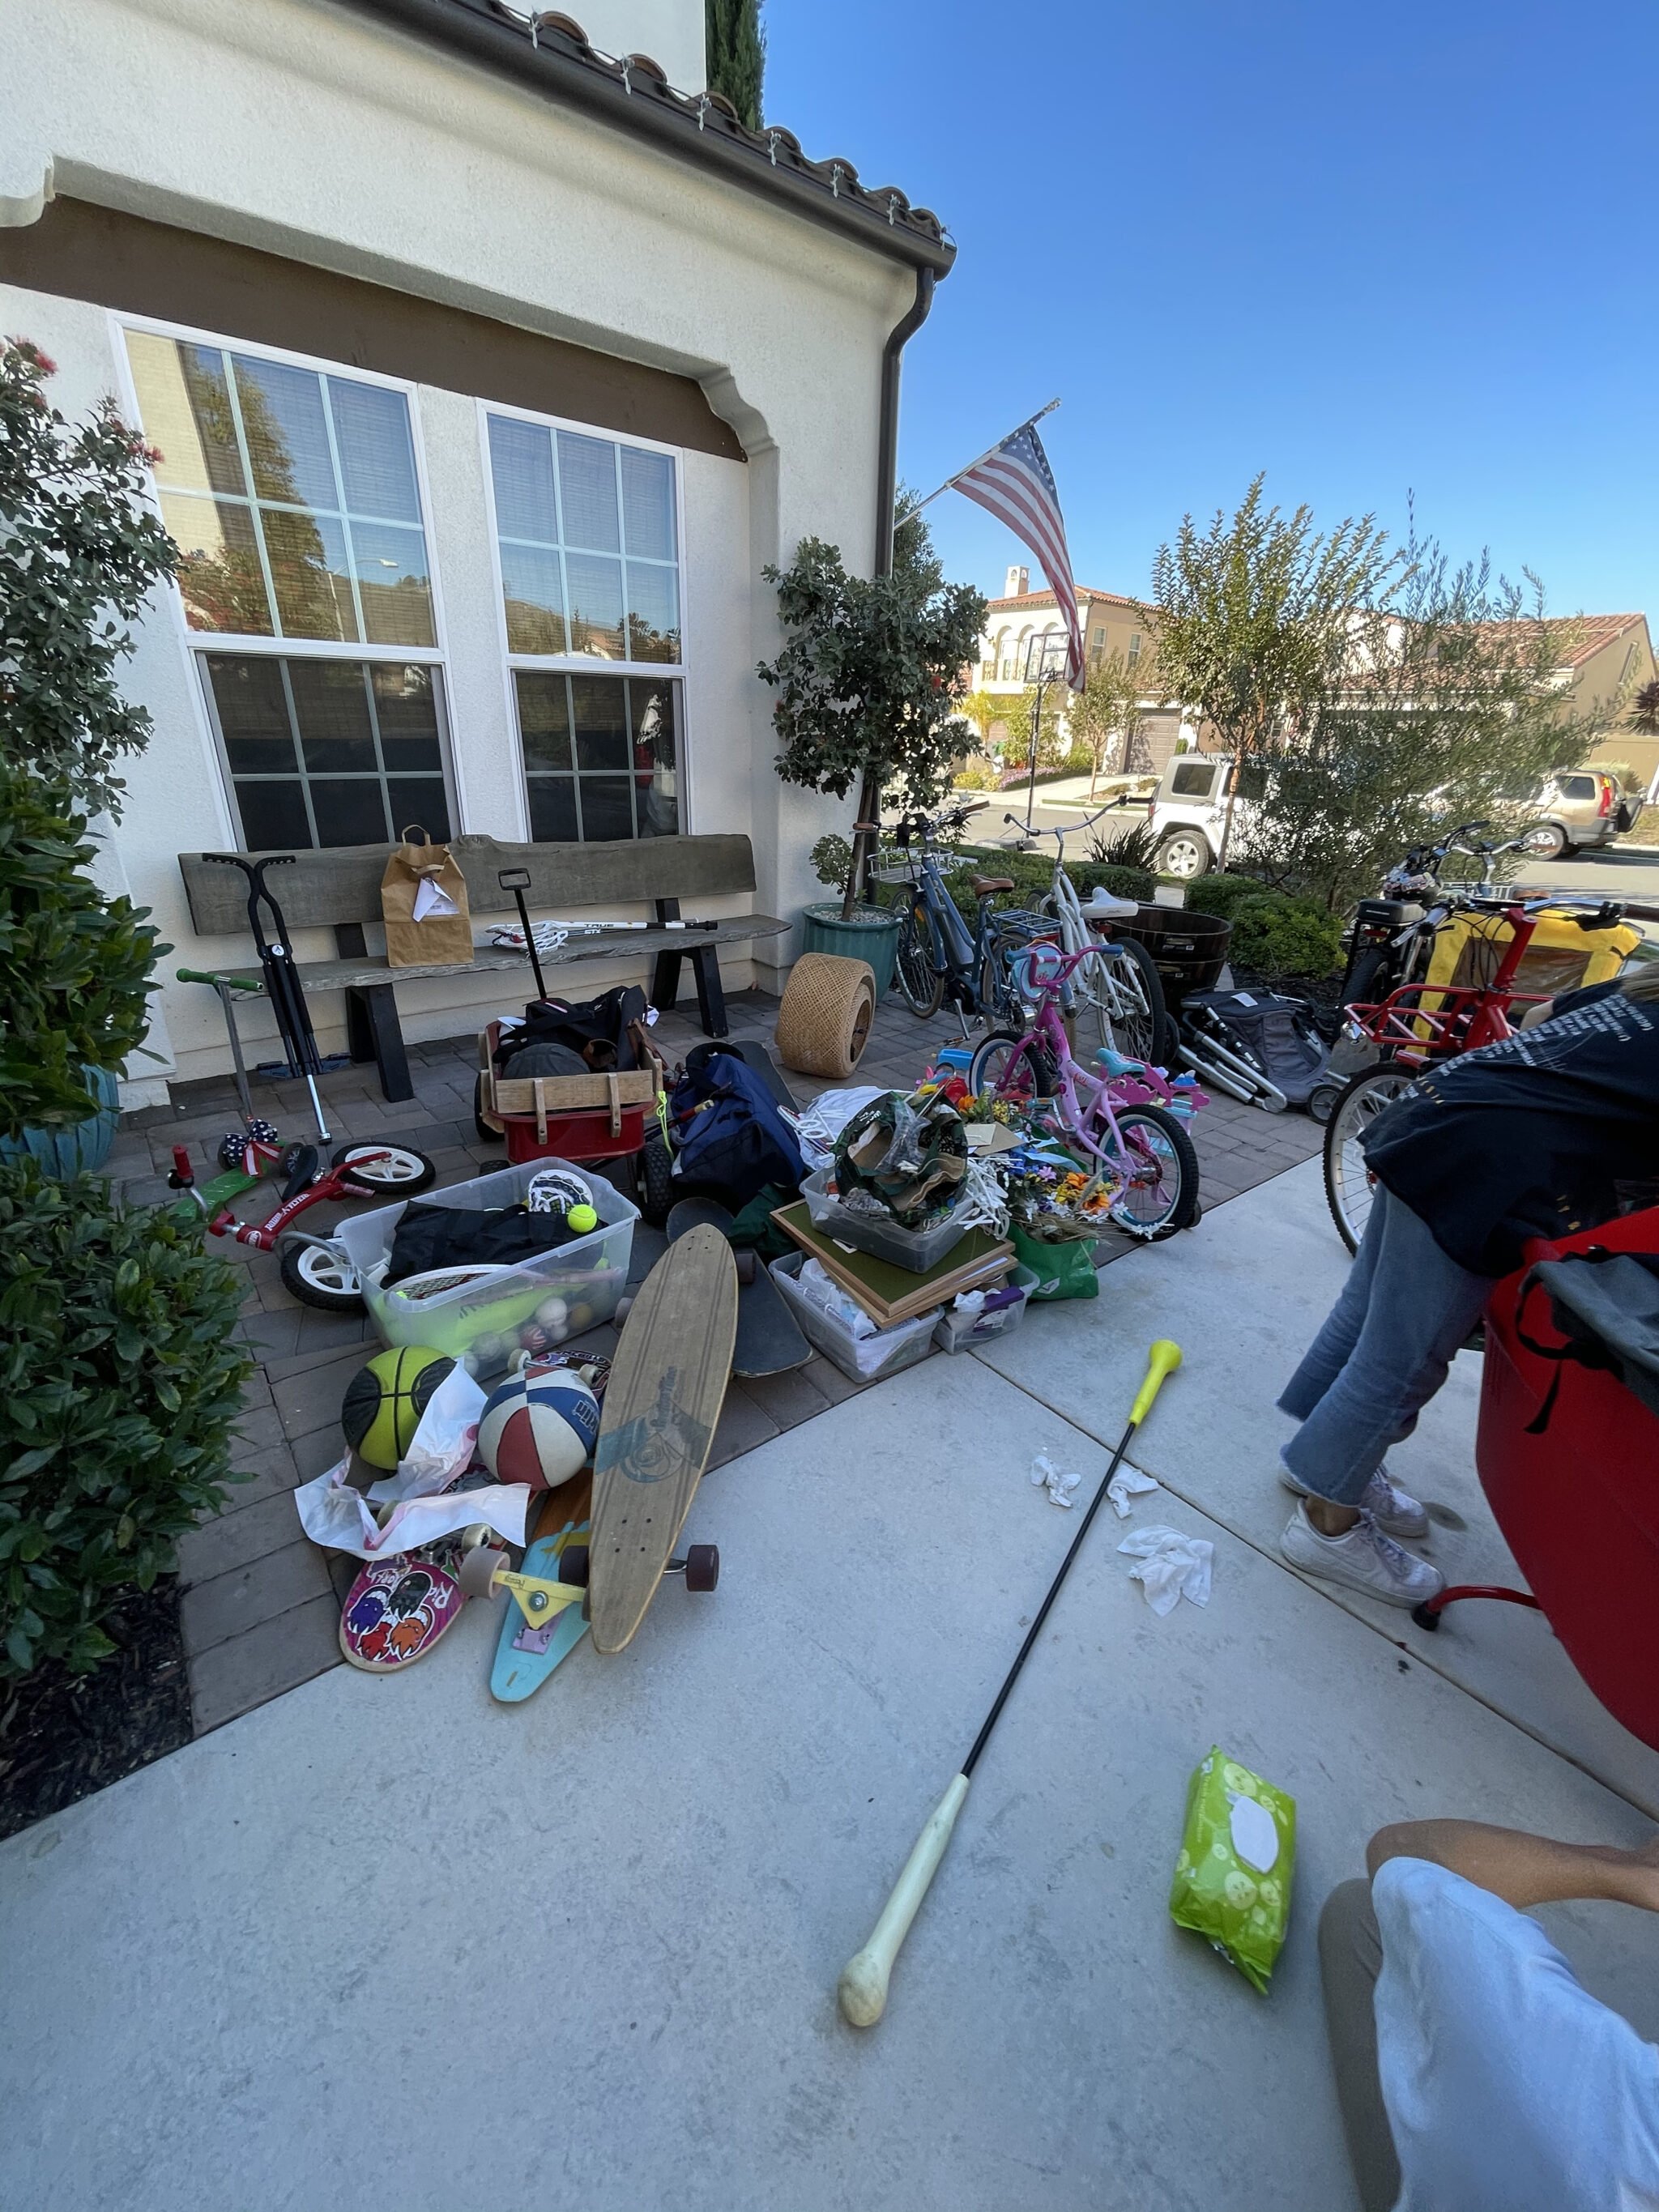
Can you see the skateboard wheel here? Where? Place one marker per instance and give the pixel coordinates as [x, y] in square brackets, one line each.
[746, 1267]
[572, 1565]
[477, 1570]
[703, 1566]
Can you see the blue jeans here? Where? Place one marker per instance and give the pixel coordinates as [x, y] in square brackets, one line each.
[1385, 1350]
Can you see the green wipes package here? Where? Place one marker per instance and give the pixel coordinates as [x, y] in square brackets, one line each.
[1232, 1880]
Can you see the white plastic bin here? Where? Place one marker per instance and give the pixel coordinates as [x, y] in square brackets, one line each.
[918, 1250]
[484, 1322]
[862, 1359]
[958, 1332]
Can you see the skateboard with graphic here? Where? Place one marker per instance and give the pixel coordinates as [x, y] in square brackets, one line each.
[770, 1342]
[397, 1608]
[667, 1384]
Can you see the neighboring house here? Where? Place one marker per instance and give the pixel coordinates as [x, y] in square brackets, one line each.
[1610, 660]
[488, 373]
[1111, 623]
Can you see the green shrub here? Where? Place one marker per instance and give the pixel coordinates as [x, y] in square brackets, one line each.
[1126, 843]
[1283, 936]
[119, 1380]
[1223, 895]
[73, 965]
[979, 772]
[1033, 872]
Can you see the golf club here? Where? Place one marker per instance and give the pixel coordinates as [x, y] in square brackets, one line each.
[862, 1990]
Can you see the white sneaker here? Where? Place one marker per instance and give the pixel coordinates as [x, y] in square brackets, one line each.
[1395, 1511]
[1362, 1558]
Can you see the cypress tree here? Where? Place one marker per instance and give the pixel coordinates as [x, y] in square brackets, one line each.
[737, 54]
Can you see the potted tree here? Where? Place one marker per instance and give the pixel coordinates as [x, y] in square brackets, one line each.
[80, 551]
[870, 683]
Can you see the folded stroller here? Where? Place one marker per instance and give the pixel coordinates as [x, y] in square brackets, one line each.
[1255, 1045]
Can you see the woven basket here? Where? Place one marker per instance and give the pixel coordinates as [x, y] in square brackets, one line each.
[824, 1016]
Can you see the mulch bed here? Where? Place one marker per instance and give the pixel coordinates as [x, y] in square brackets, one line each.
[62, 1736]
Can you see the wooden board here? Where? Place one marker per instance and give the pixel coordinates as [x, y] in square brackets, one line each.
[661, 1404]
[889, 1294]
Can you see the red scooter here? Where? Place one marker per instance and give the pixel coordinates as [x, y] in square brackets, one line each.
[314, 1269]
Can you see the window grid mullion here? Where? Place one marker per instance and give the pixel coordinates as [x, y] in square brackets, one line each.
[379, 756]
[245, 455]
[300, 760]
[345, 520]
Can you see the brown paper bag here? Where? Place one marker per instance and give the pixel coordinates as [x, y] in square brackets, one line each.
[424, 898]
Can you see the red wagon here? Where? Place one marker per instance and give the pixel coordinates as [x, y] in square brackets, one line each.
[1577, 1501]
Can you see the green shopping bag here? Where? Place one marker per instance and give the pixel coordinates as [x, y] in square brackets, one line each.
[1065, 1270]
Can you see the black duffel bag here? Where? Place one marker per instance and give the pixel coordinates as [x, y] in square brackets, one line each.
[429, 1236]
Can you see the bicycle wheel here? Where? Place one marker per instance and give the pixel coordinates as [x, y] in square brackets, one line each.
[1121, 1003]
[1007, 1067]
[921, 984]
[1369, 980]
[1162, 1196]
[1348, 1182]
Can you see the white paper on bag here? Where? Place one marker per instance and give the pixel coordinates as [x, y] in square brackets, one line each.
[431, 902]
[1170, 1566]
[332, 1513]
[441, 1448]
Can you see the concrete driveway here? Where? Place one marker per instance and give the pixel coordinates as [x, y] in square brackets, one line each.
[388, 1939]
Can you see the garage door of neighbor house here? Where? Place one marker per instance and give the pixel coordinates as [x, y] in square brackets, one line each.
[1156, 740]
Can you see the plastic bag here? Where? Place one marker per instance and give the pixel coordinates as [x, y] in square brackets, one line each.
[1064, 1270]
[1232, 1880]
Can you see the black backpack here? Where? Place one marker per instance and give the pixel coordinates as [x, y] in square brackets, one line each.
[1605, 1304]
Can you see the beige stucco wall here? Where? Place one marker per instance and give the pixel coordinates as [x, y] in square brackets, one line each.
[303, 129]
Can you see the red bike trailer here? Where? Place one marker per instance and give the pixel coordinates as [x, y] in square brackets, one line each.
[1577, 1502]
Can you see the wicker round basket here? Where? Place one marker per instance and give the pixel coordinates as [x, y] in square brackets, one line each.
[825, 1013]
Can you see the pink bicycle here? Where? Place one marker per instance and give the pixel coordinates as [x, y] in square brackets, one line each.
[1141, 1143]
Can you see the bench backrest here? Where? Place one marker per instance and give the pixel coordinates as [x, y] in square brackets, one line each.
[343, 883]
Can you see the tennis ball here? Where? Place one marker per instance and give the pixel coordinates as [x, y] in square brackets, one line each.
[581, 1219]
[385, 1399]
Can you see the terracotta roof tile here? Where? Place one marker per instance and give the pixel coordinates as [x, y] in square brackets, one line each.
[1083, 592]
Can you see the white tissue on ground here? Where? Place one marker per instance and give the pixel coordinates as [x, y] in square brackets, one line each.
[1170, 1566]
[1059, 1481]
[1126, 1483]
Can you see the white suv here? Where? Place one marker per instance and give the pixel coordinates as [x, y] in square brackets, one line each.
[1188, 810]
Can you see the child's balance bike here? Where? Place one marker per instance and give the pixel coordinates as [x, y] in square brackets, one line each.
[315, 1270]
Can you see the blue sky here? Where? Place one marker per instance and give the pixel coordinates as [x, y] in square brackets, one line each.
[1373, 252]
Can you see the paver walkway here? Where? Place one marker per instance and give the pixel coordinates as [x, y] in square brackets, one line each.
[584, 1949]
[260, 1608]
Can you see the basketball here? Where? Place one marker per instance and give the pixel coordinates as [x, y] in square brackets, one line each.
[539, 1428]
[385, 1399]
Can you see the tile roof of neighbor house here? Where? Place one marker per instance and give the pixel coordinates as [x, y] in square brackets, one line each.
[1084, 592]
[1593, 632]
[551, 53]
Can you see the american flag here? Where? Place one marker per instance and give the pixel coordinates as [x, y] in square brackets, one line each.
[1017, 486]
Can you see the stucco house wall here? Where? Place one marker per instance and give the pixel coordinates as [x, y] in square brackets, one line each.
[325, 135]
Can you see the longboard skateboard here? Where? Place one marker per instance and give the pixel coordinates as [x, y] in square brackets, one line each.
[667, 1384]
[770, 1342]
[528, 1651]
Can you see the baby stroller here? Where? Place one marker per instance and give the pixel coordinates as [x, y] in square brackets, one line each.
[1256, 1045]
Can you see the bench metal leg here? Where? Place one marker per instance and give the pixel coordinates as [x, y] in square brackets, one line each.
[711, 999]
[666, 983]
[373, 1032]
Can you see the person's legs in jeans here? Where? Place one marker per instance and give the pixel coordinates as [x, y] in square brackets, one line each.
[1420, 1306]
[1327, 1355]
[1350, 1960]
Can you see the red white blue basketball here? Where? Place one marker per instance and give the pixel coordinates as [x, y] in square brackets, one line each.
[539, 1428]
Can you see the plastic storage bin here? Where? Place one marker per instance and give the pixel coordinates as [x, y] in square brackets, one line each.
[919, 1249]
[958, 1332]
[483, 1319]
[862, 1359]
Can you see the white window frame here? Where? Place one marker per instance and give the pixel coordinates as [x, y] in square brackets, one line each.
[588, 664]
[198, 642]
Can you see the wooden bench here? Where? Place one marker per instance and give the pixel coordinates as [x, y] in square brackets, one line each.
[339, 889]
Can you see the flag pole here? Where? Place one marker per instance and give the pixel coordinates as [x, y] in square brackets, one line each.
[986, 455]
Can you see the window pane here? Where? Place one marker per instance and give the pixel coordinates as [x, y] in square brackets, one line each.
[252, 715]
[349, 810]
[273, 816]
[587, 488]
[286, 435]
[183, 404]
[220, 578]
[307, 557]
[332, 703]
[406, 709]
[596, 607]
[648, 481]
[420, 799]
[377, 456]
[393, 582]
[543, 722]
[656, 784]
[521, 467]
[553, 809]
[607, 809]
[602, 736]
[654, 613]
[533, 585]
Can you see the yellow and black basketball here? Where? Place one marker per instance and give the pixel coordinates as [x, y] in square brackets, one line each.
[385, 1400]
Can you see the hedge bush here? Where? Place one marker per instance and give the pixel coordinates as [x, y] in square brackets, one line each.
[119, 1382]
[1276, 933]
